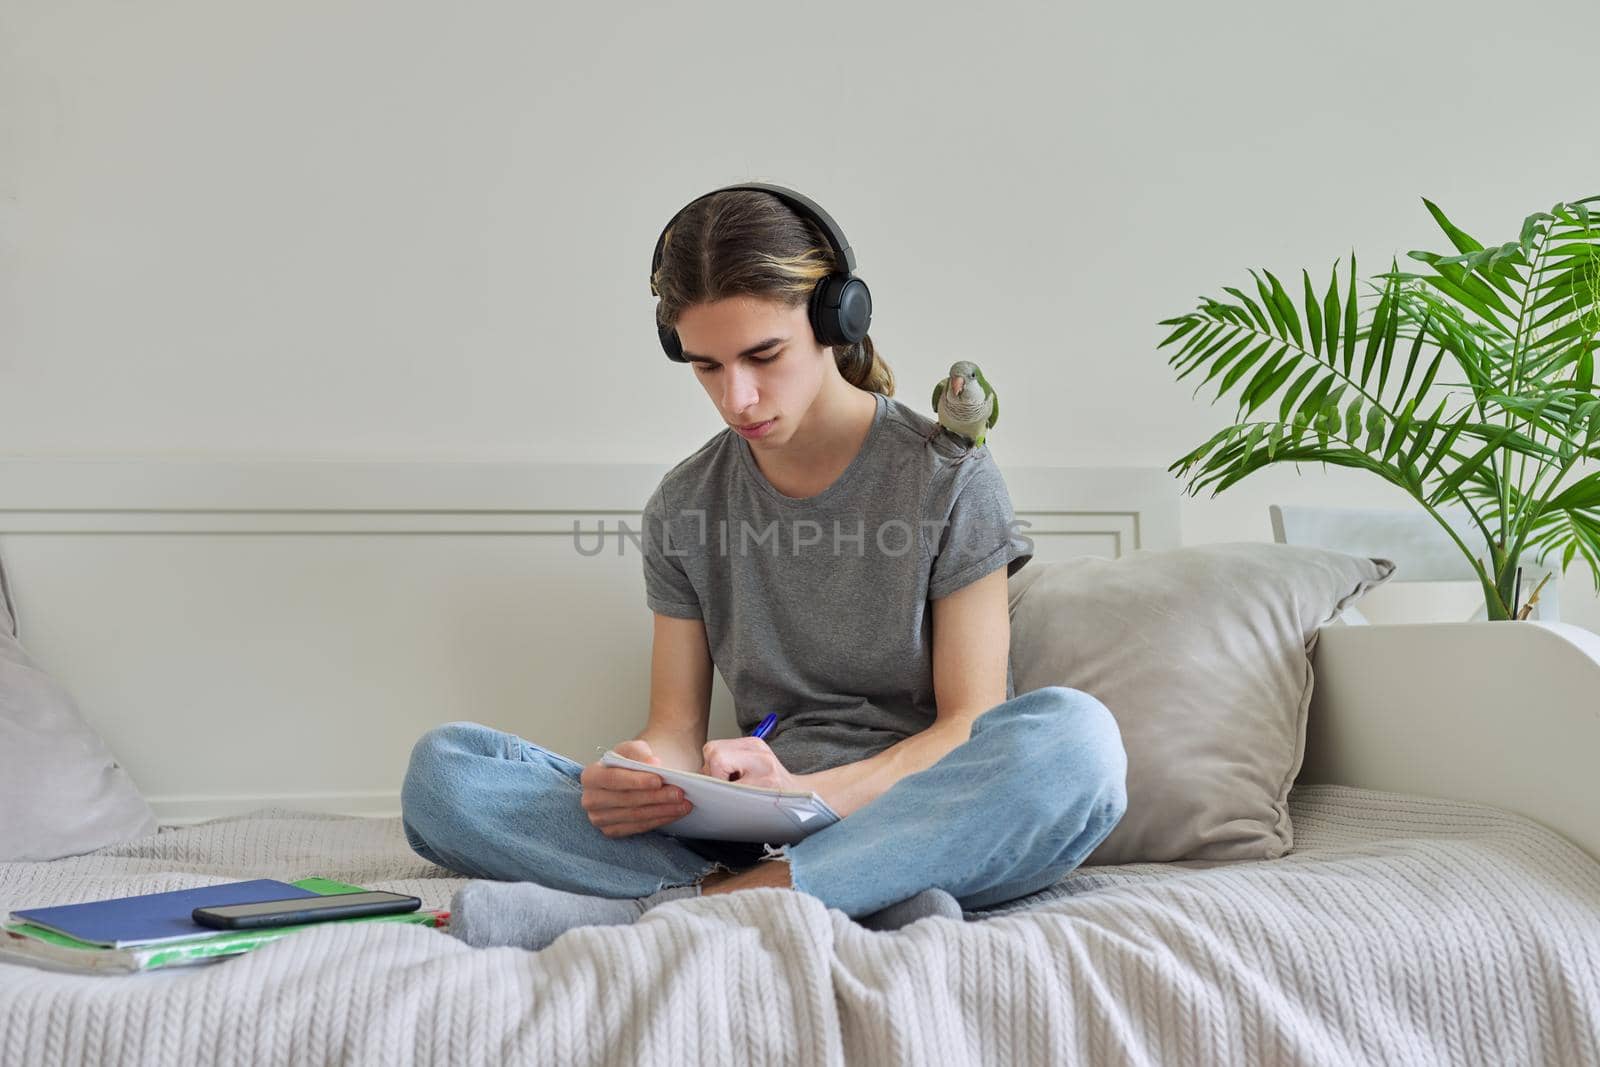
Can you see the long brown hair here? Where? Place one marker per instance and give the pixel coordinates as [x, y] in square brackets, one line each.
[744, 242]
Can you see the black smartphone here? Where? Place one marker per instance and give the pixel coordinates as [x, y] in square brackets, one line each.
[303, 910]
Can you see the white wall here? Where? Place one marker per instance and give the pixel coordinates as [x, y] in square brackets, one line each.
[376, 231]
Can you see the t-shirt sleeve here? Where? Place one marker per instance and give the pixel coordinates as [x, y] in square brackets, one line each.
[667, 588]
[972, 530]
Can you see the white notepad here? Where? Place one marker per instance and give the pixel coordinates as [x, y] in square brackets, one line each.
[728, 811]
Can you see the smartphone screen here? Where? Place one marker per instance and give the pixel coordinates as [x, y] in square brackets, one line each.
[304, 909]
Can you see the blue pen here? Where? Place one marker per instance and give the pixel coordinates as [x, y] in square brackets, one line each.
[766, 725]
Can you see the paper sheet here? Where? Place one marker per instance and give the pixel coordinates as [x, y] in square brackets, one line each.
[728, 811]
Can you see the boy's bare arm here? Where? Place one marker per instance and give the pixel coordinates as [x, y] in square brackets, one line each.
[680, 692]
[971, 643]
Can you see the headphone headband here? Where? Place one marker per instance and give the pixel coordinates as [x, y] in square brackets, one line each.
[841, 306]
[801, 203]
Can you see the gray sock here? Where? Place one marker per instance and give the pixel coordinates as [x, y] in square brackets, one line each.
[529, 915]
[926, 903]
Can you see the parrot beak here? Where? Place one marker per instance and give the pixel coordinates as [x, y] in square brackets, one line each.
[955, 385]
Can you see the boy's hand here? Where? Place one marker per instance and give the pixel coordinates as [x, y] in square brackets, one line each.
[748, 761]
[621, 801]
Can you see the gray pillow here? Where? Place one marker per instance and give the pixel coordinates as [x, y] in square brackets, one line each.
[62, 792]
[1202, 654]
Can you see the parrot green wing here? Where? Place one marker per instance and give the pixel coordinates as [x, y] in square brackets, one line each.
[938, 393]
[994, 412]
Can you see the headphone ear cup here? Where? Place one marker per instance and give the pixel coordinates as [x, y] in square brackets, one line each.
[841, 310]
[670, 343]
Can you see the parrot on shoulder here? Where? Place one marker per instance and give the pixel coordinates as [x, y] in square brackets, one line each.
[965, 403]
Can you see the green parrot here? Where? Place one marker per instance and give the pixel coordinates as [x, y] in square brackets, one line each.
[965, 403]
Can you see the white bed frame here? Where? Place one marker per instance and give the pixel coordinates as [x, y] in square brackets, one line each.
[254, 633]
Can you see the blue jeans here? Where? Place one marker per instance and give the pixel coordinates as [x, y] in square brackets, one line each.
[1040, 782]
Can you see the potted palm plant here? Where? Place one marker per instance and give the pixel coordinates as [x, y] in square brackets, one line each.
[1356, 383]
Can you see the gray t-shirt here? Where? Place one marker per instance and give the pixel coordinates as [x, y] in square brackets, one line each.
[817, 608]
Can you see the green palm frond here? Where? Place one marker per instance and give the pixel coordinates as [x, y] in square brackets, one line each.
[1356, 379]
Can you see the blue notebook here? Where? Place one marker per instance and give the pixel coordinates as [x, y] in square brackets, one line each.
[152, 917]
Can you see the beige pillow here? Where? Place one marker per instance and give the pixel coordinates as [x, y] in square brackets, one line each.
[62, 793]
[1202, 654]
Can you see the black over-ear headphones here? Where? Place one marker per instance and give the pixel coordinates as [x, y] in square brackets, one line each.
[841, 305]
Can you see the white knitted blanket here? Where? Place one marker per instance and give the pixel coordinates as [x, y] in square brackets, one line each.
[1400, 930]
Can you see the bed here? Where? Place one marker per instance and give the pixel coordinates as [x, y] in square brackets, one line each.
[1400, 930]
[1441, 902]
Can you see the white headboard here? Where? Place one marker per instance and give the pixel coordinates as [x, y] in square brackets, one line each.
[259, 633]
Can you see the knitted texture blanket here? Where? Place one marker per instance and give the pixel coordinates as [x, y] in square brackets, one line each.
[1399, 930]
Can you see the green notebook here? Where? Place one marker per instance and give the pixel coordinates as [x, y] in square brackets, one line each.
[26, 943]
